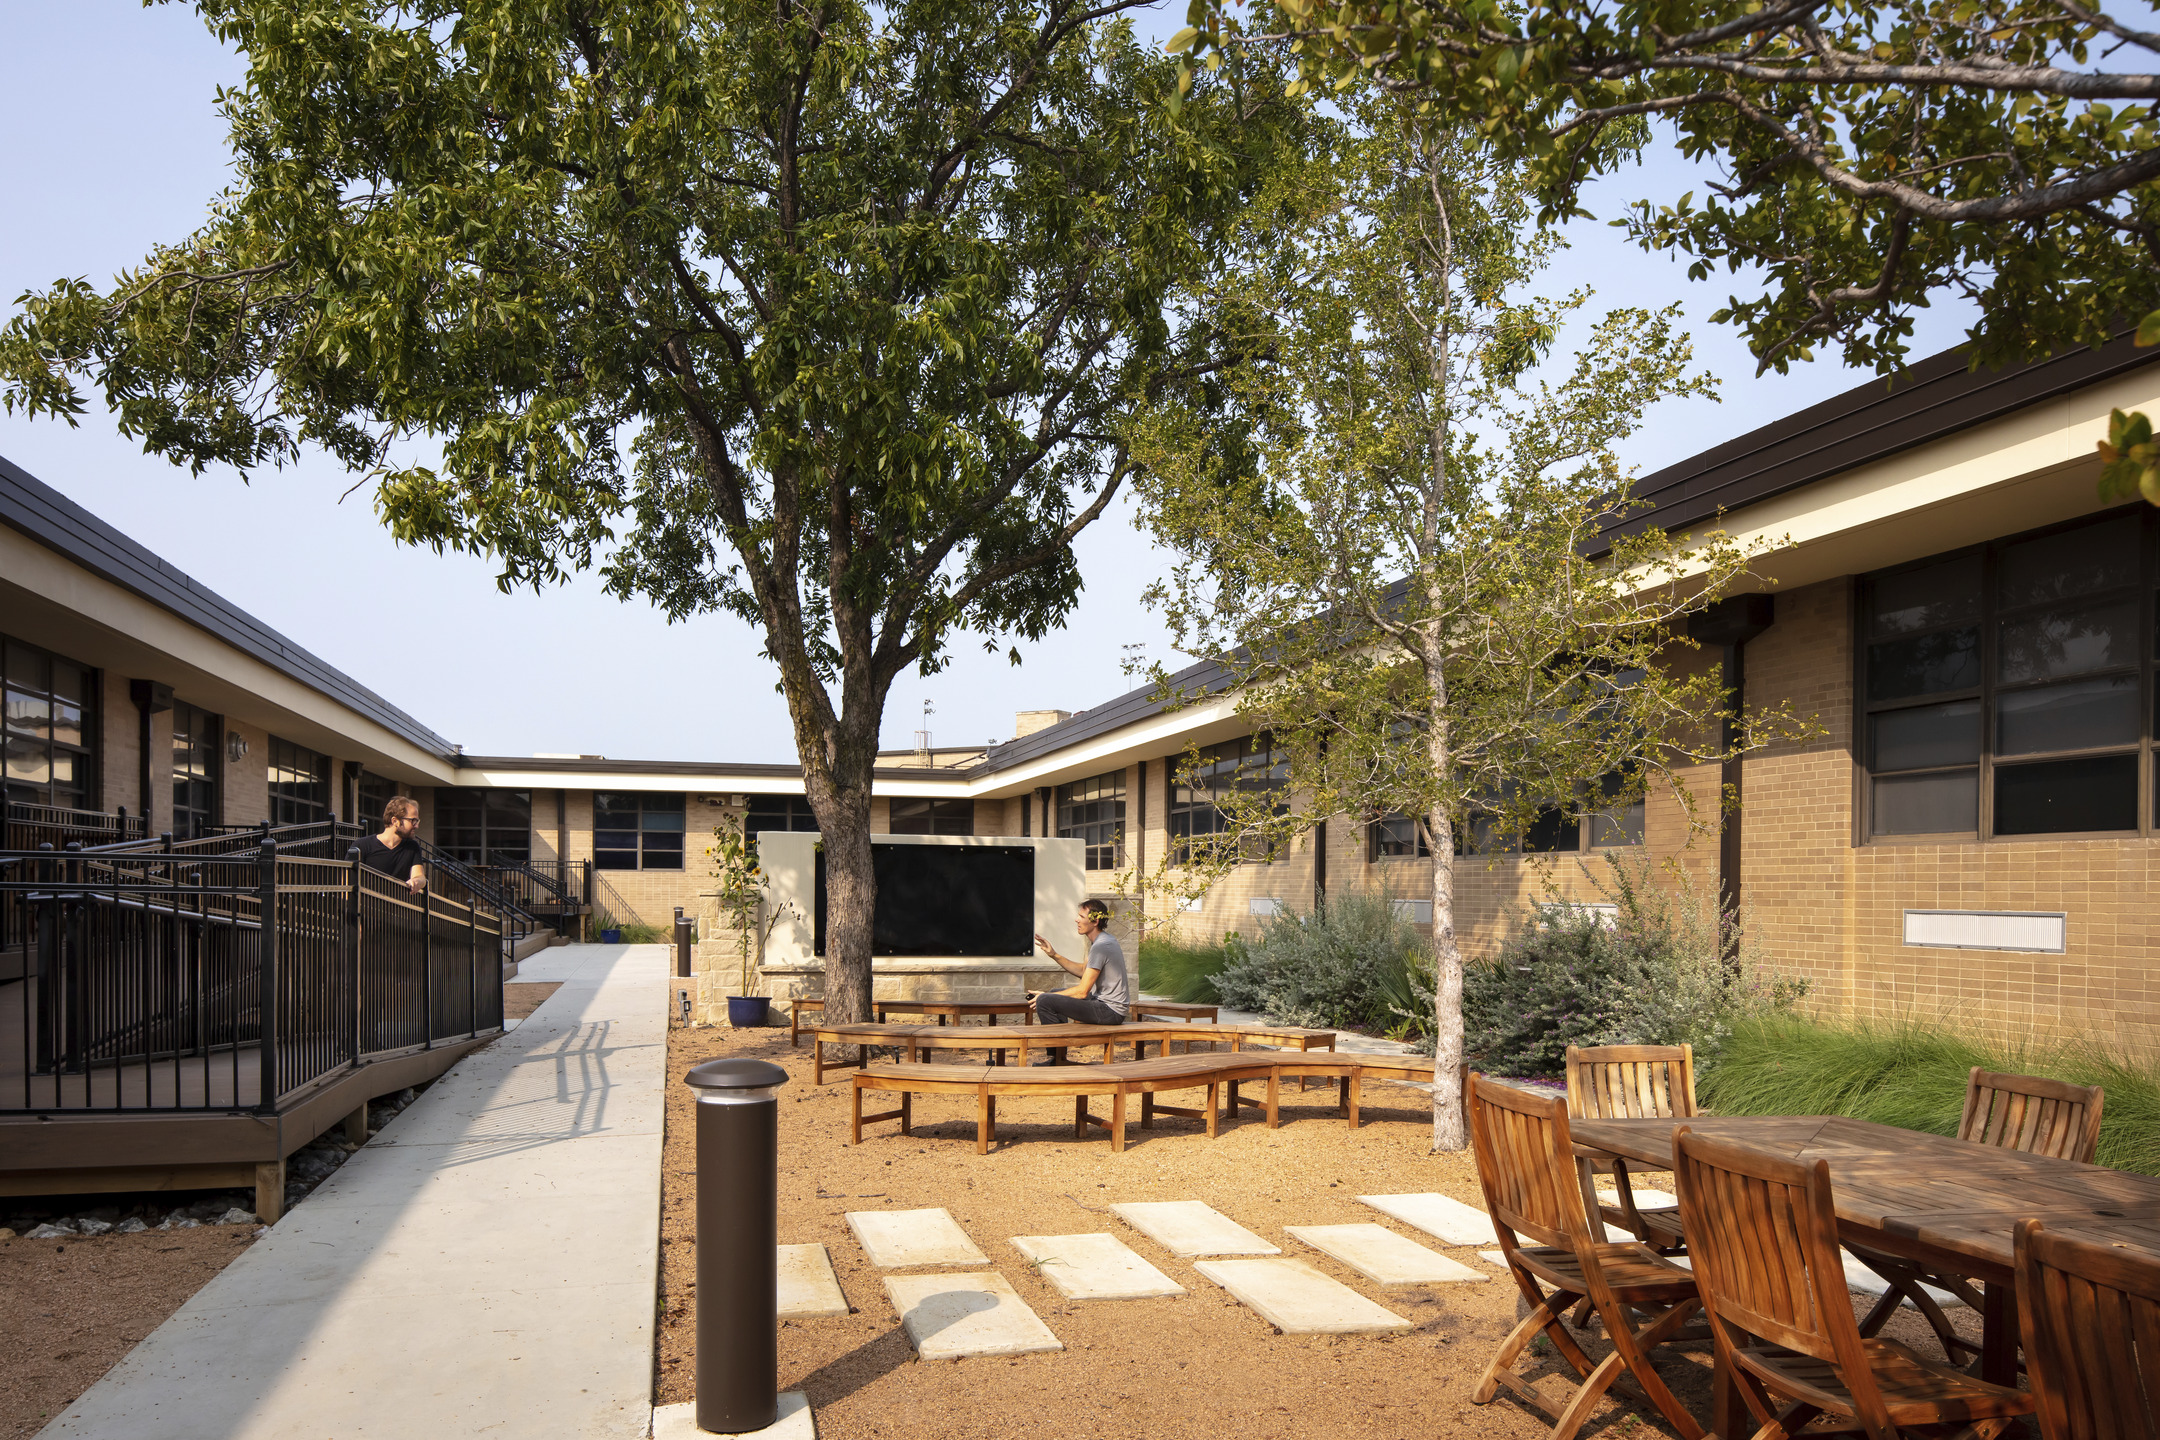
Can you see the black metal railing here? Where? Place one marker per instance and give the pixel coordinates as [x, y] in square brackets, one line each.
[467, 881]
[609, 907]
[30, 826]
[550, 889]
[155, 982]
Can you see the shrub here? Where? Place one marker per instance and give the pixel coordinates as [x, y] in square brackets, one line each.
[1343, 965]
[1185, 973]
[1912, 1073]
[1666, 968]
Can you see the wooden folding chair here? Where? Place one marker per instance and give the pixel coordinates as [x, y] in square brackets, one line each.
[1625, 1082]
[2089, 1315]
[1526, 1165]
[2010, 1112]
[1764, 1244]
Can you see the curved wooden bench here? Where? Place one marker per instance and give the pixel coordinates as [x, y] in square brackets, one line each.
[1215, 1072]
[918, 1041]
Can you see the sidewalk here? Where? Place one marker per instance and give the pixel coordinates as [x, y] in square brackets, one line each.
[485, 1266]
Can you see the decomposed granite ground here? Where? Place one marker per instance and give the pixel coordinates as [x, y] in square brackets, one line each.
[1156, 1368]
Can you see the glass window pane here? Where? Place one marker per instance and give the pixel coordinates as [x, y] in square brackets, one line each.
[28, 761]
[67, 723]
[1622, 826]
[26, 667]
[28, 713]
[2080, 716]
[2096, 793]
[662, 820]
[70, 683]
[1922, 738]
[1553, 830]
[2076, 562]
[1924, 665]
[1928, 804]
[1927, 598]
[613, 840]
[2068, 642]
[615, 859]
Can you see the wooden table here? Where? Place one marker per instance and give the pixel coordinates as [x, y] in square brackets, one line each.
[946, 1010]
[1949, 1204]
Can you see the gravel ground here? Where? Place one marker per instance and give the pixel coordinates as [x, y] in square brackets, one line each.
[1198, 1364]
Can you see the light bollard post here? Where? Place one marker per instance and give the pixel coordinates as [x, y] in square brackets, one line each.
[682, 944]
[738, 1237]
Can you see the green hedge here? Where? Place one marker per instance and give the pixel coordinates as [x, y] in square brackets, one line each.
[1185, 973]
[1912, 1074]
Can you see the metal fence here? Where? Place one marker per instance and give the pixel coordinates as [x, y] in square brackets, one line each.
[154, 983]
[31, 826]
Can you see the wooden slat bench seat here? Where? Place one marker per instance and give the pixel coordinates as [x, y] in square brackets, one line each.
[1213, 1071]
[1172, 1010]
[917, 1042]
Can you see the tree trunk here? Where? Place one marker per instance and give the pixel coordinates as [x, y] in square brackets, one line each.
[839, 795]
[1449, 1131]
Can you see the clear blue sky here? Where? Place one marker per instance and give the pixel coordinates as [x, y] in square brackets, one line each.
[113, 146]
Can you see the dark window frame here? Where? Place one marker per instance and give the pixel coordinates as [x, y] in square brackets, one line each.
[473, 824]
[191, 820]
[83, 794]
[645, 854]
[298, 802]
[788, 808]
[1248, 761]
[1992, 769]
[1096, 818]
[929, 815]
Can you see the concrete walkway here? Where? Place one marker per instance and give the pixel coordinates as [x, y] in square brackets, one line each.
[484, 1267]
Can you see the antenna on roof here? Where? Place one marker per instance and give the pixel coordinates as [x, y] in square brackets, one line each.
[922, 736]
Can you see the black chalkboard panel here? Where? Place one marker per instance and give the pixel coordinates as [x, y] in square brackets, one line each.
[947, 900]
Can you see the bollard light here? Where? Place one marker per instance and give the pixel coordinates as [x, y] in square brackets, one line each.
[682, 943]
[738, 1237]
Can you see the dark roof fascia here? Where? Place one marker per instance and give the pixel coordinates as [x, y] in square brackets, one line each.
[51, 519]
[1934, 398]
[692, 770]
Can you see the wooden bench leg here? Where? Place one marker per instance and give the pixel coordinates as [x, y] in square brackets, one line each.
[862, 1057]
[1080, 1117]
[1342, 1094]
[858, 1113]
[817, 1062]
[1356, 1084]
[1274, 1100]
[984, 1120]
[1117, 1123]
[1214, 1110]
[1147, 1110]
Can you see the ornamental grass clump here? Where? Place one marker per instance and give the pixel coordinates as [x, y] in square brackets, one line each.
[1344, 965]
[1911, 1072]
[1180, 970]
[1651, 965]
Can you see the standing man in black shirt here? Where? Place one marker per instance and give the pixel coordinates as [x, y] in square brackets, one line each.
[394, 852]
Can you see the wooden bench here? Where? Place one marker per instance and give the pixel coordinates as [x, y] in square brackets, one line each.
[1172, 1010]
[795, 1015]
[946, 1010]
[1214, 1071]
[918, 1041]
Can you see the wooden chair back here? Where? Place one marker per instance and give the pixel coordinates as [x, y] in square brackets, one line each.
[1630, 1082]
[2089, 1315]
[1525, 1162]
[1763, 1242]
[2027, 1112]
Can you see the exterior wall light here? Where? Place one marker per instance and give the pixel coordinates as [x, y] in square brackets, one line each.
[236, 745]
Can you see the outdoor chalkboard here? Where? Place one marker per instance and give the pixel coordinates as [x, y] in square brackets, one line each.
[947, 900]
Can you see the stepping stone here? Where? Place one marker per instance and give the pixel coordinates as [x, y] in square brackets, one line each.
[948, 1317]
[1443, 1217]
[1644, 1199]
[808, 1288]
[1382, 1256]
[1859, 1277]
[1094, 1267]
[1189, 1227]
[901, 1239]
[1496, 1257]
[1298, 1299]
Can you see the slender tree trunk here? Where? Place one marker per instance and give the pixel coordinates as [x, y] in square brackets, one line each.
[839, 795]
[1448, 1129]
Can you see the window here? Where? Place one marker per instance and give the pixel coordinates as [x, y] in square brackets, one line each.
[47, 746]
[299, 784]
[778, 812]
[1247, 764]
[195, 739]
[374, 796]
[1563, 829]
[932, 817]
[636, 831]
[1093, 812]
[480, 826]
[1395, 836]
[2005, 685]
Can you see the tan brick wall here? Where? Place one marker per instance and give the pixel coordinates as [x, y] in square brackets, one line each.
[119, 778]
[245, 790]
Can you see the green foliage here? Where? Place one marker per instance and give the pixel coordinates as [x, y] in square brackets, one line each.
[1864, 157]
[637, 932]
[1182, 971]
[1341, 966]
[1912, 1073]
[1665, 968]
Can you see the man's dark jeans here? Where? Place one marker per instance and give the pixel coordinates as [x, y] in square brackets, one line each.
[1054, 1009]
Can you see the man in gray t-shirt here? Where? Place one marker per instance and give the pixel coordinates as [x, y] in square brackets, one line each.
[1102, 996]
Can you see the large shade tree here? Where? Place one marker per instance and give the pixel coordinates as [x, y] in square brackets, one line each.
[1392, 539]
[825, 314]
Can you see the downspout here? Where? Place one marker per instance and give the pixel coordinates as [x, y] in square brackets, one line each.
[151, 698]
[1729, 625]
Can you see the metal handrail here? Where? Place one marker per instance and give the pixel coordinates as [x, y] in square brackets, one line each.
[519, 921]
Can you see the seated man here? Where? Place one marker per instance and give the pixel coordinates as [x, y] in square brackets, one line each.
[1101, 997]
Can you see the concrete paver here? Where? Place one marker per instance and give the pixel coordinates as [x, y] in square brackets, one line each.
[900, 1239]
[950, 1317]
[1382, 1256]
[1191, 1227]
[486, 1265]
[795, 1422]
[1298, 1299]
[1443, 1217]
[1094, 1267]
[808, 1288]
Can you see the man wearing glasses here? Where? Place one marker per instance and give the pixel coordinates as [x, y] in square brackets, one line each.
[395, 852]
